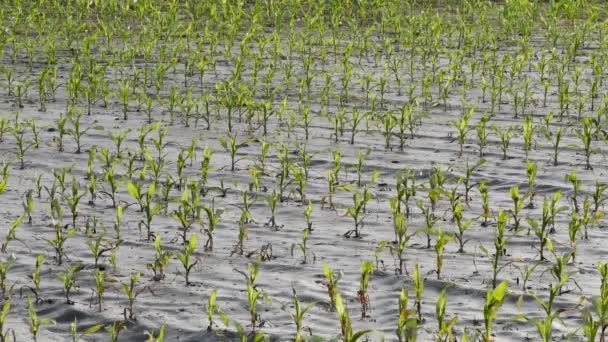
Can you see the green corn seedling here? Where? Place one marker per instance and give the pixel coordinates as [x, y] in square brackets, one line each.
[131, 291]
[185, 257]
[367, 268]
[446, 327]
[494, 300]
[161, 260]
[345, 324]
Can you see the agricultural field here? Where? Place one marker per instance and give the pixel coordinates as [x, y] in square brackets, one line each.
[294, 170]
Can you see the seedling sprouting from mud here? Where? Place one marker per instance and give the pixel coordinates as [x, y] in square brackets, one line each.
[115, 329]
[531, 169]
[518, 205]
[11, 235]
[76, 131]
[298, 316]
[494, 300]
[467, 178]
[69, 283]
[253, 294]
[100, 278]
[113, 184]
[528, 134]
[232, 147]
[576, 187]
[119, 139]
[185, 257]
[4, 334]
[60, 238]
[585, 134]
[600, 305]
[272, 200]
[598, 201]
[357, 212]
[299, 178]
[462, 226]
[23, 144]
[74, 330]
[161, 260]
[306, 253]
[211, 308]
[145, 202]
[331, 284]
[442, 241]
[407, 325]
[132, 292]
[462, 126]
[345, 324]
[500, 245]
[554, 138]
[429, 220]
[213, 218]
[445, 327]
[101, 246]
[402, 238]
[505, 135]
[367, 268]
[186, 213]
[73, 199]
[34, 321]
[543, 229]
[388, 122]
[35, 289]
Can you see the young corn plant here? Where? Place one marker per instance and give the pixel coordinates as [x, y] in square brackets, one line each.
[60, 238]
[462, 225]
[505, 135]
[100, 278]
[494, 300]
[407, 325]
[402, 238]
[543, 229]
[345, 324]
[6, 333]
[306, 253]
[331, 284]
[232, 147]
[145, 202]
[462, 126]
[360, 199]
[298, 316]
[554, 138]
[101, 246]
[211, 308]
[482, 133]
[35, 322]
[531, 170]
[73, 199]
[131, 291]
[466, 180]
[445, 326]
[213, 218]
[442, 241]
[419, 289]
[161, 260]
[11, 234]
[576, 188]
[69, 283]
[77, 337]
[4, 268]
[518, 205]
[272, 199]
[185, 257]
[585, 134]
[367, 268]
